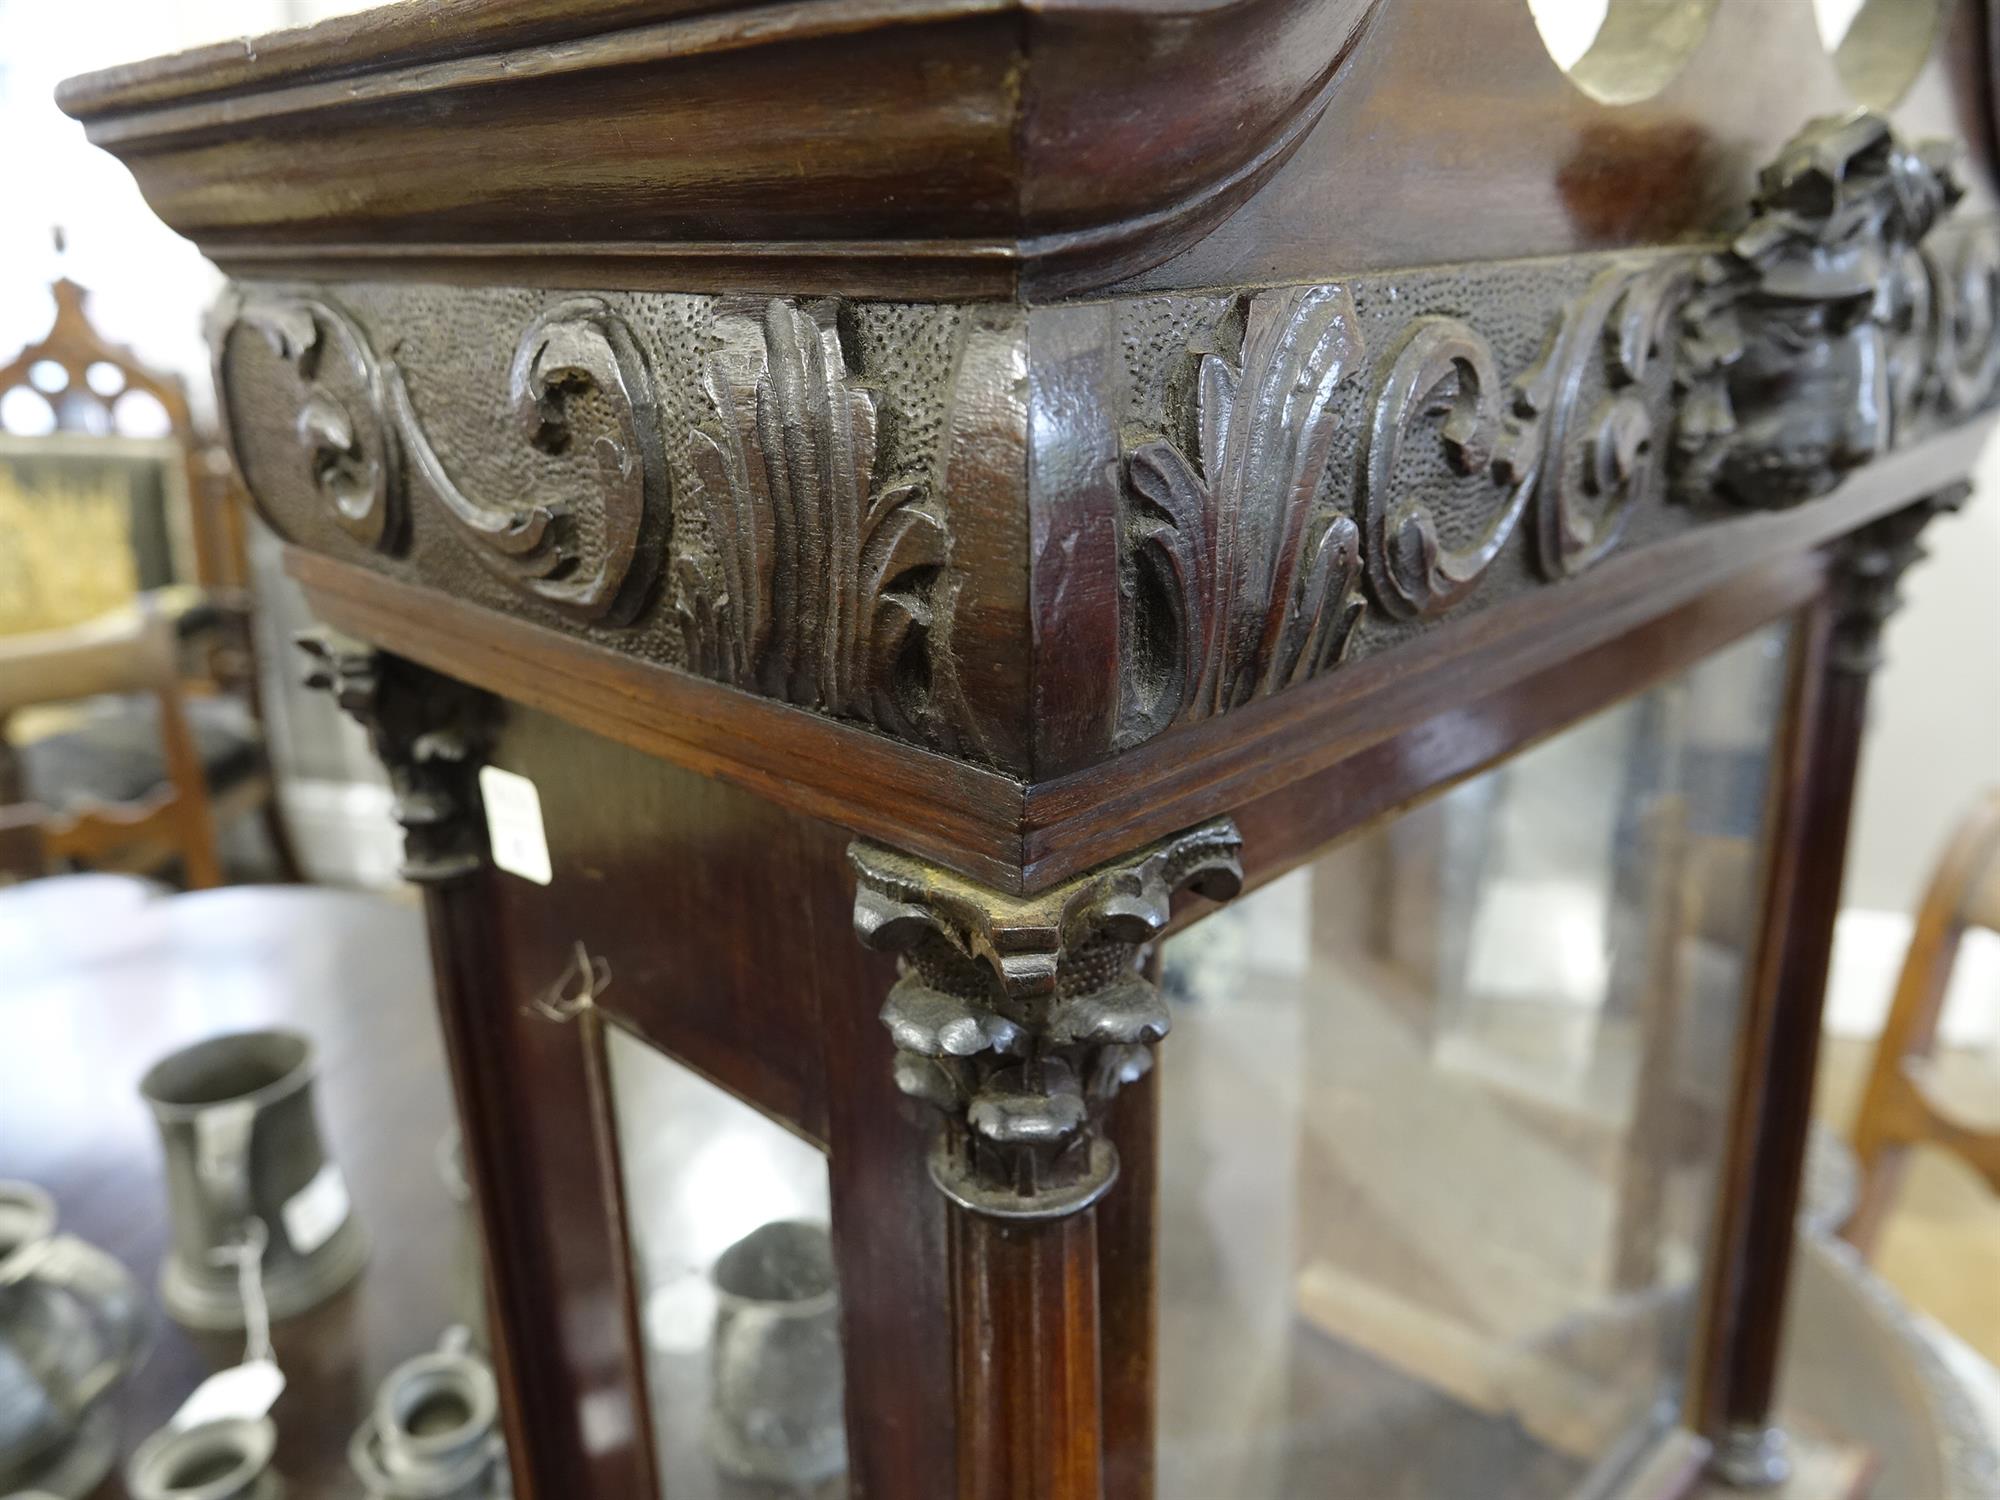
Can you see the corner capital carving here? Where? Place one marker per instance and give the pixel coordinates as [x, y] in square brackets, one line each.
[1020, 1017]
[429, 732]
[1866, 580]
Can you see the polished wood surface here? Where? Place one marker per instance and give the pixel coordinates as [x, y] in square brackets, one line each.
[1435, 403]
[954, 147]
[100, 977]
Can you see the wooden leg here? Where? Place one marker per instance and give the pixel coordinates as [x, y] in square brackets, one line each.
[1892, 1116]
[1128, 1238]
[1021, 1018]
[1028, 1377]
[1812, 797]
[534, 1106]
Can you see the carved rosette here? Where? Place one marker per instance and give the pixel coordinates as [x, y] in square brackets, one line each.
[1019, 1017]
[429, 732]
[345, 442]
[1585, 425]
[1439, 385]
[1254, 578]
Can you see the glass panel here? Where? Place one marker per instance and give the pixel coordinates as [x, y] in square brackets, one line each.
[1444, 1113]
[737, 1299]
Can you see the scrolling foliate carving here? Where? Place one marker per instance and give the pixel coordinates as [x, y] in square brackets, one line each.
[819, 584]
[577, 387]
[1785, 345]
[1254, 576]
[1834, 326]
[1583, 429]
[1440, 378]
[429, 732]
[342, 429]
[1019, 1017]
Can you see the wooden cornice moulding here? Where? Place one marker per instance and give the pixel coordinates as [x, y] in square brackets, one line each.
[960, 149]
[884, 136]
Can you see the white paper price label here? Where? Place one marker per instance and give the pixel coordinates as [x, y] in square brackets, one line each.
[245, 1392]
[316, 1211]
[514, 824]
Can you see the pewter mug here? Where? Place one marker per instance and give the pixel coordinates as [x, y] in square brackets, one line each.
[223, 1460]
[242, 1142]
[71, 1328]
[434, 1433]
[778, 1412]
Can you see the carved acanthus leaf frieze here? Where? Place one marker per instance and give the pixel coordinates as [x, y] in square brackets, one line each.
[1020, 1017]
[861, 509]
[819, 583]
[1255, 576]
[1758, 376]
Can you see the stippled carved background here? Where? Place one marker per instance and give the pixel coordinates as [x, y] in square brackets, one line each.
[830, 503]
[767, 492]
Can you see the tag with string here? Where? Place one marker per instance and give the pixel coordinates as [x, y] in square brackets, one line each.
[249, 1390]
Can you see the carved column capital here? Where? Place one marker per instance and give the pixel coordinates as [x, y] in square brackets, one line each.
[1019, 1017]
[1867, 578]
[429, 732]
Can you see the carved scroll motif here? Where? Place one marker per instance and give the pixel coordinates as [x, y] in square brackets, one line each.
[1965, 353]
[1583, 431]
[819, 585]
[1020, 1017]
[1255, 576]
[577, 388]
[1441, 380]
[343, 434]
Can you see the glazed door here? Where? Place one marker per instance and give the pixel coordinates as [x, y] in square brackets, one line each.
[1444, 1114]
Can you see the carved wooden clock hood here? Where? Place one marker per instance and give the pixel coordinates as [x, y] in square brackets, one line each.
[1090, 458]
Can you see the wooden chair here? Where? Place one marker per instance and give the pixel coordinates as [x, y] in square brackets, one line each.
[84, 379]
[135, 651]
[1908, 1101]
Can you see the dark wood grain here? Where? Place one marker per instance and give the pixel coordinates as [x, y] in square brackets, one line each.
[721, 920]
[1026, 1310]
[921, 801]
[1128, 1277]
[1737, 1395]
[969, 135]
[965, 147]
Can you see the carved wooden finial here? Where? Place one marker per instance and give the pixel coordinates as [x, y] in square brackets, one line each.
[1021, 1016]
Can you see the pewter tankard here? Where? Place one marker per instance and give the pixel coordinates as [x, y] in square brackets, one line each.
[242, 1142]
[778, 1413]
